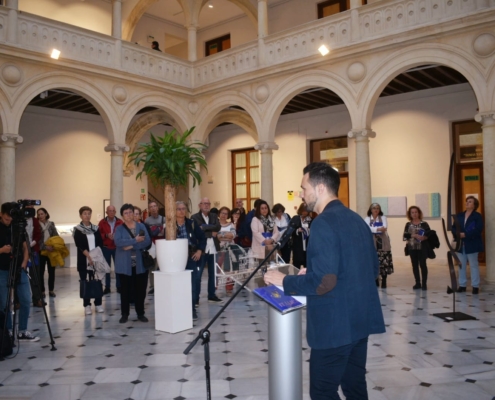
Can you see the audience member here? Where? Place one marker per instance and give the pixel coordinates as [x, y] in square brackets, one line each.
[282, 220]
[245, 233]
[300, 238]
[48, 230]
[265, 231]
[236, 220]
[156, 223]
[155, 46]
[107, 228]
[33, 230]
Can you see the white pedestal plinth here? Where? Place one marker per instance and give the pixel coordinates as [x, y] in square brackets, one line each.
[173, 301]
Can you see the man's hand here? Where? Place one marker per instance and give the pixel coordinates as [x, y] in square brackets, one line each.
[274, 277]
[462, 235]
[6, 249]
[110, 236]
[302, 271]
[196, 256]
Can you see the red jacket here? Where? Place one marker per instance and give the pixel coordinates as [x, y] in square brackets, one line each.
[36, 234]
[105, 229]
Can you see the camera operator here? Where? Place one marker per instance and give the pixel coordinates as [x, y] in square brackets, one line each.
[7, 252]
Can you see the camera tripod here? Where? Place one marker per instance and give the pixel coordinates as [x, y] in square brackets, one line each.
[19, 238]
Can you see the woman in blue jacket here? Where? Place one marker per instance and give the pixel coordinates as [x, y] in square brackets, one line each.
[471, 226]
[130, 238]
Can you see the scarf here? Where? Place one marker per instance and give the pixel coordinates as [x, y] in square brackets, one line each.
[45, 229]
[85, 229]
[268, 223]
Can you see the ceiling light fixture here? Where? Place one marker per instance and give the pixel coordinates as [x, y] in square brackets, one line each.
[55, 54]
[323, 50]
[210, 5]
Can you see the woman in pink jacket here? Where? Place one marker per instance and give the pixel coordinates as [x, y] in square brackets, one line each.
[265, 231]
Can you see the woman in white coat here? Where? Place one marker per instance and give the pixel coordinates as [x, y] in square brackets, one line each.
[265, 231]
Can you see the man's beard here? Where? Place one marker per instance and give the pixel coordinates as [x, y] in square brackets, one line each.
[310, 205]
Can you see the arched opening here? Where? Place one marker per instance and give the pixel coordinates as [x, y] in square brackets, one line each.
[423, 111]
[62, 160]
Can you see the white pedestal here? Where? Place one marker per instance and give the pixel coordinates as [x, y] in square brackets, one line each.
[173, 301]
[71, 260]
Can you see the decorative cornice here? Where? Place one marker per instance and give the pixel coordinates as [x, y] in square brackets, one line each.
[116, 147]
[361, 133]
[7, 137]
[264, 146]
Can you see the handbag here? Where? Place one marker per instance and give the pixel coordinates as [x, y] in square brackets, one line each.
[148, 261]
[406, 250]
[90, 288]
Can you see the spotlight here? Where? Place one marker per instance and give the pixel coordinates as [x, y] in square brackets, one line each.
[323, 50]
[55, 54]
[210, 5]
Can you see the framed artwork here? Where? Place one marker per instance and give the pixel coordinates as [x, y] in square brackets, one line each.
[106, 203]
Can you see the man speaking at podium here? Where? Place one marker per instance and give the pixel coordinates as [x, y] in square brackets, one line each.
[343, 307]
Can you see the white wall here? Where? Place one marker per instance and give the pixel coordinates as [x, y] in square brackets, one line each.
[95, 15]
[410, 154]
[62, 162]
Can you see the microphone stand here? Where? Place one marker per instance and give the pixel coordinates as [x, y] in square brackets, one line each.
[204, 334]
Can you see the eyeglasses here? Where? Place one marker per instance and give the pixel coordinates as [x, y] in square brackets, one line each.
[206, 204]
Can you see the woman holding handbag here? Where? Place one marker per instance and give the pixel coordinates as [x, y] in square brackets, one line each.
[130, 238]
[86, 239]
[378, 225]
[47, 231]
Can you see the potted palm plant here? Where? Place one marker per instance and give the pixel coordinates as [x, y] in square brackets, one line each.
[169, 161]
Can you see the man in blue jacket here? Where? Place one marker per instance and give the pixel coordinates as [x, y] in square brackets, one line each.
[343, 307]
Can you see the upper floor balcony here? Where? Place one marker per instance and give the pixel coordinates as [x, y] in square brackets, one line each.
[360, 29]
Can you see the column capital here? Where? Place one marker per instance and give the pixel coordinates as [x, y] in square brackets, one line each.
[485, 118]
[361, 133]
[10, 137]
[191, 27]
[264, 146]
[116, 147]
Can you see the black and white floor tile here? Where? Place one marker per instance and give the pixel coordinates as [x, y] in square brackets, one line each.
[419, 357]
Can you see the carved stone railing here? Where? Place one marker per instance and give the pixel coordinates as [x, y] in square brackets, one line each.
[386, 18]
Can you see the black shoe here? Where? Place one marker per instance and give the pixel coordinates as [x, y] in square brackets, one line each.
[423, 286]
[52, 294]
[107, 290]
[461, 289]
[123, 319]
[151, 291]
[118, 290]
[142, 318]
[26, 336]
[476, 290]
[195, 315]
[214, 299]
[417, 286]
[377, 281]
[384, 283]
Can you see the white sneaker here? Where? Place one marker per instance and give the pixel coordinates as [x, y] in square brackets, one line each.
[99, 309]
[87, 310]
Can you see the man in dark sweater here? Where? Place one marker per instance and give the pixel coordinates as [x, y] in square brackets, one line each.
[343, 307]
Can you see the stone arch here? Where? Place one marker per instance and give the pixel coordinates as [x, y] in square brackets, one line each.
[4, 105]
[217, 105]
[290, 87]
[142, 124]
[238, 117]
[57, 80]
[156, 99]
[191, 14]
[413, 56]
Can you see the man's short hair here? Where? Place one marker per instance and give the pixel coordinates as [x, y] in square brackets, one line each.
[323, 173]
[6, 207]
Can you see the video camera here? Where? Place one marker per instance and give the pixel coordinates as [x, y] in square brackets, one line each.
[19, 210]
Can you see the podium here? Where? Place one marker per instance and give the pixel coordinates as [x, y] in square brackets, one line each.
[173, 302]
[284, 346]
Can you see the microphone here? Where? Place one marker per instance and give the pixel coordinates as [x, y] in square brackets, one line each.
[294, 223]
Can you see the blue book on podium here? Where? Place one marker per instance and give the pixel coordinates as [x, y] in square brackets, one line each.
[277, 299]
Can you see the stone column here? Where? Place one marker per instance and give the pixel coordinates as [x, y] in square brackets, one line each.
[363, 173]
[117, 173]
[266, 150]
[13, 6]
[191, 42]
[194, 196]
[487, 120]
[8, 143]
[117, 19]
[262, 29]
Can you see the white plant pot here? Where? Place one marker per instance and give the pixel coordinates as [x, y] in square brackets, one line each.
[172, 254]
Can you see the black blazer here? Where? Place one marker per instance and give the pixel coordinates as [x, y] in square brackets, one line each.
[82, 244]
[213, 226]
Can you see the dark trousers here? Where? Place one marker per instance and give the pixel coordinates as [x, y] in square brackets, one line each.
[418, 260]
[194, 267]
[133, 286]
[344, 366]
[87, 301]
[210, 260]
[109, 254]
[45, 264]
